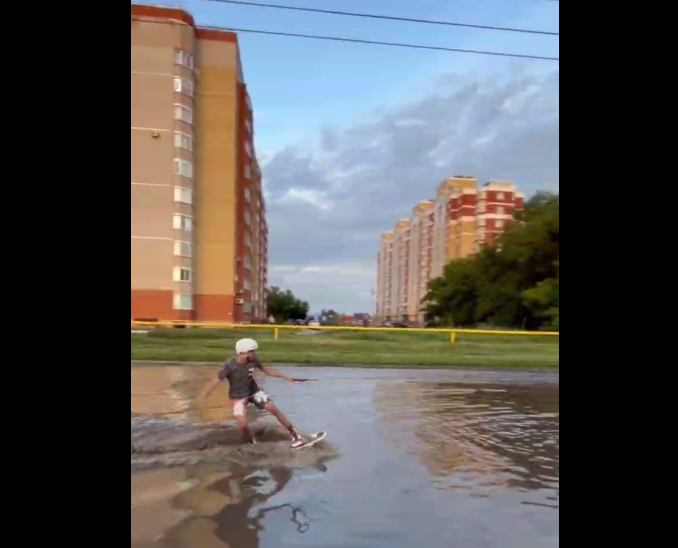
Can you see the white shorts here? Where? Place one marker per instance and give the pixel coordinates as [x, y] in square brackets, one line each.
[260, 399]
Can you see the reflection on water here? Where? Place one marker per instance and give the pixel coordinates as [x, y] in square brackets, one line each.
[482, 438]
[209, 507]
[442, 458]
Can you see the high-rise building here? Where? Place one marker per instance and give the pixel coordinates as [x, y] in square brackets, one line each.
[447, 241]
[384, 306]
[454, 225]
[497, 202]
[400, 262]
[419, 264]
[462, 221]
[199, 236]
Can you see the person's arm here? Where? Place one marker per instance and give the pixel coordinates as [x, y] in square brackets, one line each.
[210, 389]
[275, 374]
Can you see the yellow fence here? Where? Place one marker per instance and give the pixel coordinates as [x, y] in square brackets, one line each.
[453, 333]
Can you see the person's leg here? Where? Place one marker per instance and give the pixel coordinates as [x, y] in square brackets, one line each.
[282, 419]
[240, 413]
[262, 401]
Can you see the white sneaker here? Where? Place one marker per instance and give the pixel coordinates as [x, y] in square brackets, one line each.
[296, 444]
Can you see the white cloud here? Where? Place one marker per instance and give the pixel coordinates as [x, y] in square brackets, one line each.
[311, 197]
[329, 204]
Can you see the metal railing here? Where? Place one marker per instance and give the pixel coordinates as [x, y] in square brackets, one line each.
[453, 333]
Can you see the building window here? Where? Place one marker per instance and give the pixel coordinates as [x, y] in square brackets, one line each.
[183, 168]
[181, 140]
[501, 211]
[183, 274]
[183, 195]
[183, 249]
[482, 207]
[482, 222]
[248, 218]
[501, 197]
[499, 224]
[183, 113]
[248, 171]
[248, 148]
[183, 86]
[248, 239]
[183, 301]
[248, 195]
[247, 285]
[249, 102]
[248, 262]
[184, 59]
[248, 125]
[183, 222]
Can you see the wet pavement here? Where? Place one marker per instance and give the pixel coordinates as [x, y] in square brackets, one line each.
[430, 457]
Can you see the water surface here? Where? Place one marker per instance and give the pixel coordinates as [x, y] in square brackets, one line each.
[430, 457]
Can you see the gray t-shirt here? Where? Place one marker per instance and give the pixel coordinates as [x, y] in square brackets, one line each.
[241, 378]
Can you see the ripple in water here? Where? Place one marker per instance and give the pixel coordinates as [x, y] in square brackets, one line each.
[485, 440]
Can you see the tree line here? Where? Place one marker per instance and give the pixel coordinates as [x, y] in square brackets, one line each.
[513, 284]
[284, 306]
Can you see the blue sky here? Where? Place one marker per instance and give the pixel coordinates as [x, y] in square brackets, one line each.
[298, 85]
[352, 136]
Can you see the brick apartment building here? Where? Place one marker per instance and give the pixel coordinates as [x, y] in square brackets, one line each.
[461, 219]
[199, 236]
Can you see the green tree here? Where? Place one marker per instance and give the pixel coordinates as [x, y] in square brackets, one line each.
[544, 301]
[452, 297]
[515, 283]
[284, 306]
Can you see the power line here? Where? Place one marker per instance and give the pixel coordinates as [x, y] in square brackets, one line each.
[393, 44]
[357, 41]
[383, 17]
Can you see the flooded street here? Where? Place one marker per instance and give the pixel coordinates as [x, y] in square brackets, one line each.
[437, 458]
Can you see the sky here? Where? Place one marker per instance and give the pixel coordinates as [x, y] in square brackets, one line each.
[351, 136]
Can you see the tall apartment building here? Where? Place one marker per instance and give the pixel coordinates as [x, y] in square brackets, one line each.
[199, 236]
[452, 241]
[497, 202]
[400, 260]
[419, 264]
[384, 305]
[460, 220]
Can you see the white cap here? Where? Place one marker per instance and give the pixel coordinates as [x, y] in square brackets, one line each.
[244, 346]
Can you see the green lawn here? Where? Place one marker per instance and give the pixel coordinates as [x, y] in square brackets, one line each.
[350, 348]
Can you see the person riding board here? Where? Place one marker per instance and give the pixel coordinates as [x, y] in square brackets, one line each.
[239, 372]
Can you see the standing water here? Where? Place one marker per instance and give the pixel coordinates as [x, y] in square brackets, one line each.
[429, 457]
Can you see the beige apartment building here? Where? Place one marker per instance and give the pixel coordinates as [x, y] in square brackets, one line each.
[199, 236]
[461, 219]
[384, 305]
[418, 269]
[400, 282]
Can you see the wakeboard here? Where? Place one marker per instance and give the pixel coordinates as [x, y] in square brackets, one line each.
[315, 438]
